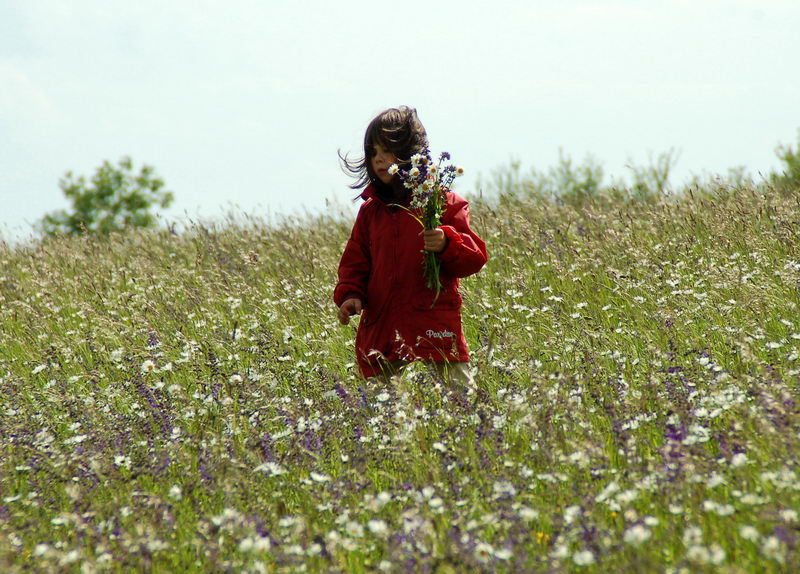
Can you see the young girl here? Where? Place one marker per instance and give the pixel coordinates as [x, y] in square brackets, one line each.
[381, 273]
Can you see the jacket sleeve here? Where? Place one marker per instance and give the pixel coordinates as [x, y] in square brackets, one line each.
[354, 266]
[465, 252]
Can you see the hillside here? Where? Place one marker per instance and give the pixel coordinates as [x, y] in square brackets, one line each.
[188, 402]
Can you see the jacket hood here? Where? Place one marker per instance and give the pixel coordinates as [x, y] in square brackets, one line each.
[369, 192]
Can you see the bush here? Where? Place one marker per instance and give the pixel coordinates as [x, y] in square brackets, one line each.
[114, 199]
[789, 178]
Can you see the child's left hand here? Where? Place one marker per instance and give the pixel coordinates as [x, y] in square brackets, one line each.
[435, 240]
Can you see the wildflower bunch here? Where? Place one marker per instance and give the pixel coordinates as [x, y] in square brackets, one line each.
[428, 182]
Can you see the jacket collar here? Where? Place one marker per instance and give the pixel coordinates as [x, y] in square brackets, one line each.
[371, 193]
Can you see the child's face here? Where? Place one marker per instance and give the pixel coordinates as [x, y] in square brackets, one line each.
[381, 160]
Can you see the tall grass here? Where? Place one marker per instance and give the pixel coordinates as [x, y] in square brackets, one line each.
[189, 402]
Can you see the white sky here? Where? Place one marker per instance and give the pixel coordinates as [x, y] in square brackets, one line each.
[245, 103]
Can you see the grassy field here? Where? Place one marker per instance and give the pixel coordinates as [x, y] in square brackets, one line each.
[189, 403]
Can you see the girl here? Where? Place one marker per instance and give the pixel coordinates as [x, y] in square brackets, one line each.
[381, 273]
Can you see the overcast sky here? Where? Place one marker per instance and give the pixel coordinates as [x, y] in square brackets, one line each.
[245, 103]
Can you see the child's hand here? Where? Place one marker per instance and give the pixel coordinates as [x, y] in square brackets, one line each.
[349, 307]
[435, 240]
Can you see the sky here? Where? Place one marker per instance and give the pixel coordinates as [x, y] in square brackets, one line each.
[242, 105]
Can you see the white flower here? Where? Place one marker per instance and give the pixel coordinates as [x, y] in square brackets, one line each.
[287, 521]
[571, 513]
[503, 554]
[583, 557]
[319, 477]
[314, 549]
[354, 529]
[416, 159]
[751, 498]
[433, 170]
[235, 379]
[717, 554]
[717, 508]
[692, 535]
[636, 535]
[377, 527]
[77, 439]
[771, 548]
[414, 172]
[484, 552]
[725, 509]
[697, 433]
[504, 488]
[175, 492]
[738, 459]
[246, 545]
[748, 533]
[148, 366]
[271, 468]
[651, 521]
[122, 461]
[610, 489]
[459, 171]
[378, 501]
[69, 558]
[698, 553]
[393, 169]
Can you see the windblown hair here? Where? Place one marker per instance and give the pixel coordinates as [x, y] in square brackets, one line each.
[397, 130]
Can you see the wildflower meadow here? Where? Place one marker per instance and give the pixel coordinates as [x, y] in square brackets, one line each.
[188, 402]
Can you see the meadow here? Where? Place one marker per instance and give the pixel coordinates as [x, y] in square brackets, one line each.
[188, 402]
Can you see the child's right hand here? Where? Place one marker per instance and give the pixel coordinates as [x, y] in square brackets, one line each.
[349, 307]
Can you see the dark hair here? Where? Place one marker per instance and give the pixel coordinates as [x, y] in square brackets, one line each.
[399, 131]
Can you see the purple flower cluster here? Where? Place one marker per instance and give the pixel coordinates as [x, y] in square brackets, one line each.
[427, 180]
[428, 183]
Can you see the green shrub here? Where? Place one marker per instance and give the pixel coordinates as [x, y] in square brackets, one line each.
[789, 178]
[114, 199]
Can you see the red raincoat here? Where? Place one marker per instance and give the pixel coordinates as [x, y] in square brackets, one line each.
[382, 265]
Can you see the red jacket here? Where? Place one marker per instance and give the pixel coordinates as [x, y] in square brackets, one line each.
[382, 265]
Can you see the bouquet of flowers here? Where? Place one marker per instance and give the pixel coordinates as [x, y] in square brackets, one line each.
[428, 182]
